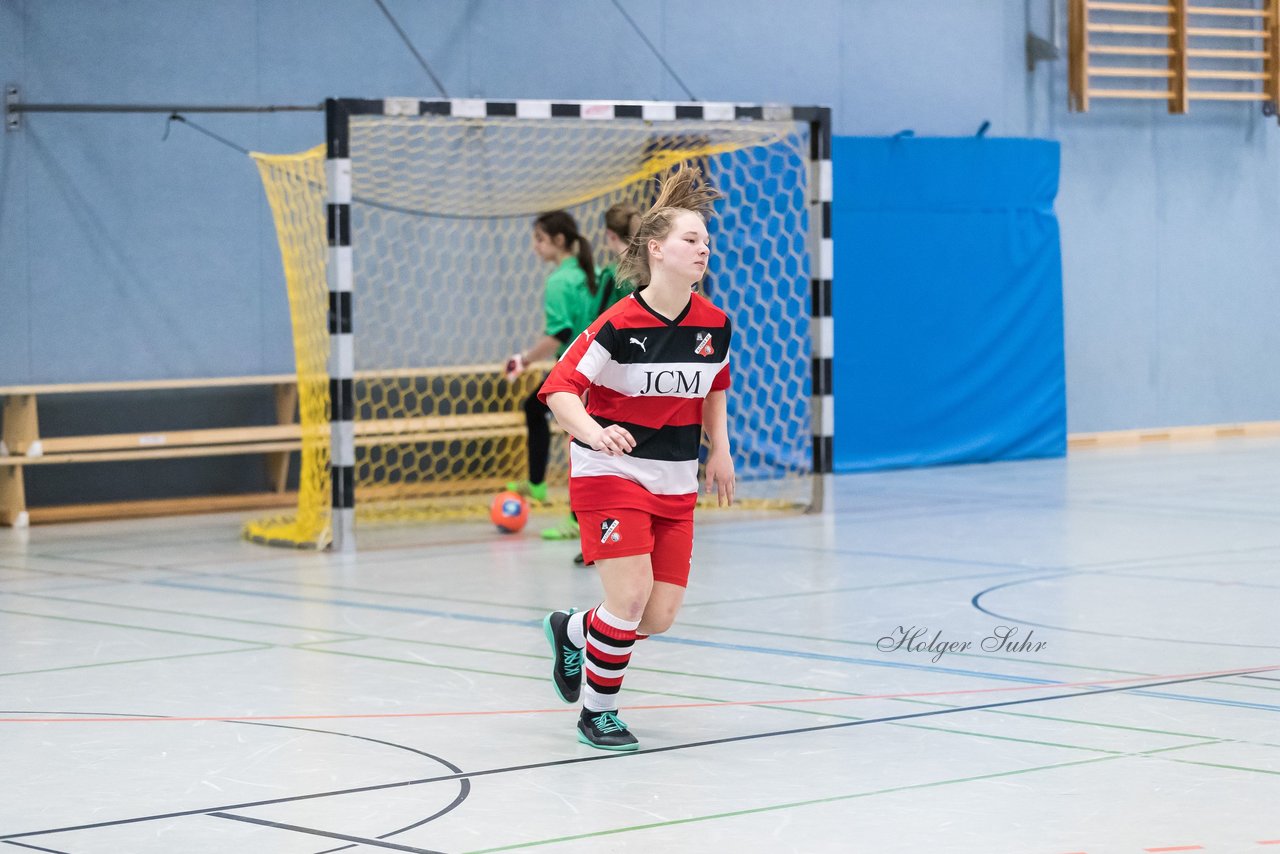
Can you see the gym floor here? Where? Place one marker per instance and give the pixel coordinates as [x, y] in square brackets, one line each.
[1068, 655]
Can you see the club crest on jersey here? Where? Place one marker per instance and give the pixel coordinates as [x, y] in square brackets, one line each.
[609, 531]
[703, 344]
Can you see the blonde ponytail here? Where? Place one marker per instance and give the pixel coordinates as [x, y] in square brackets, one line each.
[682, 190]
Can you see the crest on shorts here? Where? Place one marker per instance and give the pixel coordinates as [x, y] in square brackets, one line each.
[703, 346]
[609, 531]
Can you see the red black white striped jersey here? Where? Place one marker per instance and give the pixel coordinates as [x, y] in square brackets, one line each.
[650, 375]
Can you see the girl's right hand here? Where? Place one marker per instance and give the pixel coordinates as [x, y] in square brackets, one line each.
[613, 440]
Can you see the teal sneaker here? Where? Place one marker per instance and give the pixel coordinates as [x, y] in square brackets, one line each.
[566, 665]
[605, 730]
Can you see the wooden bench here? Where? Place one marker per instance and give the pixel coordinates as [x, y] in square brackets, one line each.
[22, 446]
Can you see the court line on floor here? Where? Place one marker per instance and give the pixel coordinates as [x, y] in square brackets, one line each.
[792, 547]
[134, 628]
[362, 840]
[524, 623]
[251, 648]
[471, 775]
[401, 594]
[36, 848]
[977, 604]
[464, 789]
[663, 639]
[753, 649]
[1176, 678]
[1216, 582]
[638, 669]
[534, 624]
[539, 610]
[827, 800]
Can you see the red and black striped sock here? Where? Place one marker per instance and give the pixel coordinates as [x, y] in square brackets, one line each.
[609, 642]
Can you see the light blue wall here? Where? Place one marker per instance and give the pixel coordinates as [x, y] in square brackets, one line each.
[125, 256]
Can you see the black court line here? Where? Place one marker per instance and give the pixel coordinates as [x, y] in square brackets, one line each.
[464, 790]
[36, 848]
[556, 763]
[1263, 678]
[376, 843]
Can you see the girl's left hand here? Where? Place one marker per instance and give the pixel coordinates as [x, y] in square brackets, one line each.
[515, 366]
[720, 477]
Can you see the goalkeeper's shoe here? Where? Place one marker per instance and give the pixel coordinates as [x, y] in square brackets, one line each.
[566, 530]
[535, 491]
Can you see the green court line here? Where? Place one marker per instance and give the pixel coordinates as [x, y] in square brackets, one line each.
[124, 625]
[176, 613]
[791, 636]
[839, 641]
[305, 647]
[135, 660]
[305, 644]
[459, 646]
[1099, 724]
[921, 702]
[869, 645]
[788, 708]
[44, 574]
[397, 594]
[819, 801]
[1228, 767]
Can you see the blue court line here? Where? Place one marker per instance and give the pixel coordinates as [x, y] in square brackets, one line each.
[348, 603]
[703, 538]
[1259, 706]
[765, 650]
[762, 650]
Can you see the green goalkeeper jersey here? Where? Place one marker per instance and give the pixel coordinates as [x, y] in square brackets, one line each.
[568, 305]
[611, 290]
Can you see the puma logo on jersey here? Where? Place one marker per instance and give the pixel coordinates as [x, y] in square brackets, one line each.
[703, 346]
[640, 343]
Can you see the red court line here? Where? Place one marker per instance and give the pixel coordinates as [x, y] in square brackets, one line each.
[793, 701]
[1176, 848]
[1269, 841]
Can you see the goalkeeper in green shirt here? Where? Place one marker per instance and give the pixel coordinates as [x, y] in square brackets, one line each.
[571, 301]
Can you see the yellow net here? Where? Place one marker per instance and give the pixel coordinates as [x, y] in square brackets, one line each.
[295, 186]
[446, 285]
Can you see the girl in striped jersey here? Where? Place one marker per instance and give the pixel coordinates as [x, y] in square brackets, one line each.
[654, 369]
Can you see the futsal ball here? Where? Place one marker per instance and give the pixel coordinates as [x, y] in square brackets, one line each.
[509, 511]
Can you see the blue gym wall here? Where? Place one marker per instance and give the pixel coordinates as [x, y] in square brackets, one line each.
[123, 255]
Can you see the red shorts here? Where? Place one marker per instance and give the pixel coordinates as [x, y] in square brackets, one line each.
[623, 533]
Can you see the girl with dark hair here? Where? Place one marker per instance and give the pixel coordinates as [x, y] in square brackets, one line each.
[621, 222]
[570, 303]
